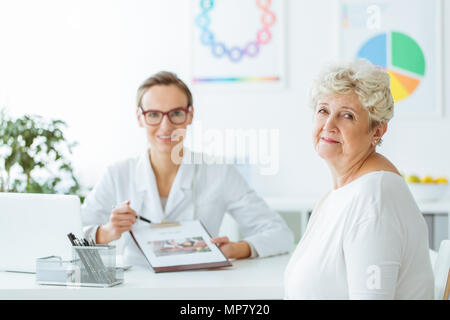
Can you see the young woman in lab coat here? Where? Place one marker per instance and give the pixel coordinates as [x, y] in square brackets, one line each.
[158, 188]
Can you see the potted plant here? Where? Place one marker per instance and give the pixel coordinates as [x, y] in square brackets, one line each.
[34, 156]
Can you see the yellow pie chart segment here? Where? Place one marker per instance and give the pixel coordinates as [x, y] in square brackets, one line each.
[401, 85]
[409, 83]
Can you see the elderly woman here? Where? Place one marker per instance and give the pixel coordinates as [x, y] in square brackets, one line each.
[366, 238]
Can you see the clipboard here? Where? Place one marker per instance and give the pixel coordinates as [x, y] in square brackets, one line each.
[178, 246]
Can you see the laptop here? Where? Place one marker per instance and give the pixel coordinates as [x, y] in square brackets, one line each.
[34, 226]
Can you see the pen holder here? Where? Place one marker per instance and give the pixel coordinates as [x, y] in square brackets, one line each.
[91, 266]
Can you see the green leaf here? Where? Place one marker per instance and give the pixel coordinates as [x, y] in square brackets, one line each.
[11, 160]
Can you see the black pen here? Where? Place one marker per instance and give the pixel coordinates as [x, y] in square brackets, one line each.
[137, 216]
[144, 219]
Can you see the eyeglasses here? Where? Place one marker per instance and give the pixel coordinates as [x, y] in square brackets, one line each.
[176, 116]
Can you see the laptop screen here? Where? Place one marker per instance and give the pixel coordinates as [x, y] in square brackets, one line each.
[34, 226]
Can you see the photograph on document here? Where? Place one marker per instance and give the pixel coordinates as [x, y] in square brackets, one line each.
[191, 245]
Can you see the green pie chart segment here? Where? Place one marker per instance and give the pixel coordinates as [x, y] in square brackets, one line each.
[406, 54]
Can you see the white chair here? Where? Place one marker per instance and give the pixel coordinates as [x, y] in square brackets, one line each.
[441, 270]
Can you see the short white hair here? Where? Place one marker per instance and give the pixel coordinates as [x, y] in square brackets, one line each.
[370, 83]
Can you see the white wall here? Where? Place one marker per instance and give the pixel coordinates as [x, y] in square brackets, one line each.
[82, 61]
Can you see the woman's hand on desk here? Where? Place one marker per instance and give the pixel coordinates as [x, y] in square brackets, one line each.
[121, 220]
[232, 250]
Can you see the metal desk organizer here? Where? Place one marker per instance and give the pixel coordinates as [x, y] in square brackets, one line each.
[91, 266]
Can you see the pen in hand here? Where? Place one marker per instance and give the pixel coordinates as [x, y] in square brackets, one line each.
[127, 203]
[143, 219]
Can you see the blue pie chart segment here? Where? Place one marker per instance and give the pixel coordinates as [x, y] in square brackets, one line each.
[375, 51]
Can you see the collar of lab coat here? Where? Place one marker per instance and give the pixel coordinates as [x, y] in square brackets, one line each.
[181, 187]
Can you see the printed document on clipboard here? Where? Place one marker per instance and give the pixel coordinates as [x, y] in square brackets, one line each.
[178, 246]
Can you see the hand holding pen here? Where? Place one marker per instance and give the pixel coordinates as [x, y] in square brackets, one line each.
[121, 220]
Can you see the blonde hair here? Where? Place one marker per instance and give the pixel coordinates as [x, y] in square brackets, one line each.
[370, 83]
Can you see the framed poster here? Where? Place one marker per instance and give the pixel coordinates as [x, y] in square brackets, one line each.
[405, 38]
[238, 43]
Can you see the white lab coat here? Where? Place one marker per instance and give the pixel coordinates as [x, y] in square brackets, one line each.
[212, 189]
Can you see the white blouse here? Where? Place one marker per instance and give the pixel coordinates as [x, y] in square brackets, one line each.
[365, 240]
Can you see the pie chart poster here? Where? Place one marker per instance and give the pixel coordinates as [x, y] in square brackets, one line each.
[403, 37]
[238, 44]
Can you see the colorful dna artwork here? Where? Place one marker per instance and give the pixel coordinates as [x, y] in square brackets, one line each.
[235, 54]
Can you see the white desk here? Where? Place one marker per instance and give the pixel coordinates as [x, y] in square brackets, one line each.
[260, 278]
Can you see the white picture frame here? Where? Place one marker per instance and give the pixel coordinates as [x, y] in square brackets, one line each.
[368, 28]
[221, 33]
